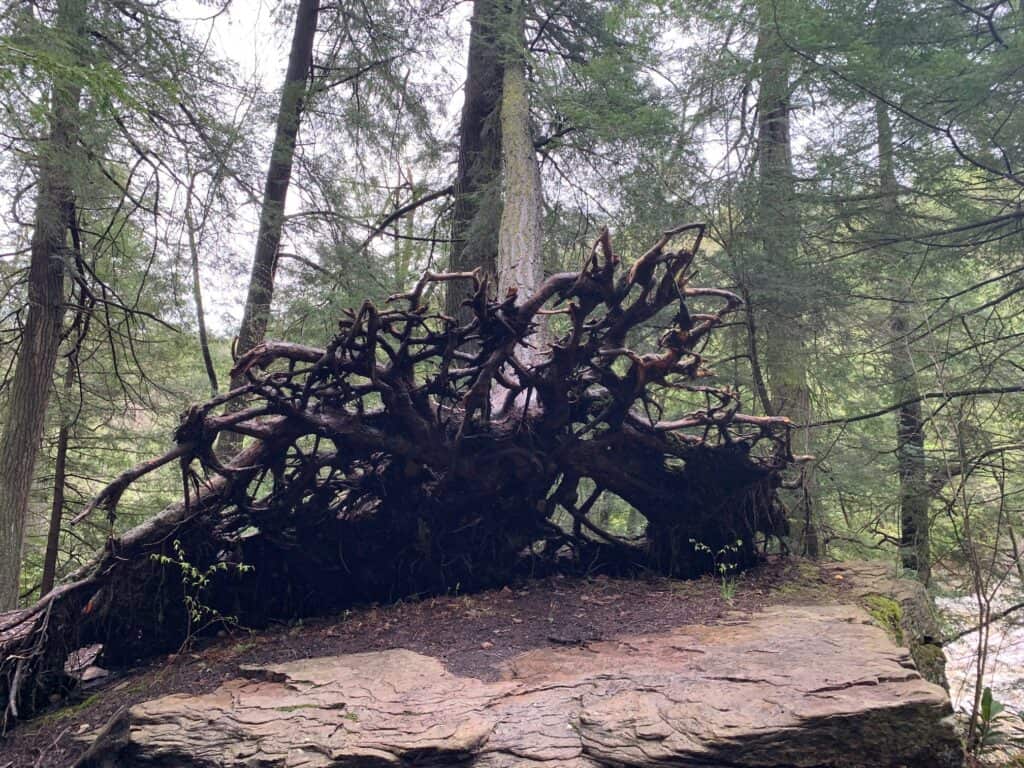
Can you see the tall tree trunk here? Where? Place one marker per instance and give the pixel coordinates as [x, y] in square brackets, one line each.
[520, 256]
[477, 212]
[275, 192]
[520, 267]
[785, 345]
[67, 421]
[40, 341]
[520, 236]
[915, 549]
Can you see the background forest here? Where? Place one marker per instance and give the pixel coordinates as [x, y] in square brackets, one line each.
[859, 166]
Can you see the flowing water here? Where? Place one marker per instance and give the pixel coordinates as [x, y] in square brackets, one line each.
[1004, 669]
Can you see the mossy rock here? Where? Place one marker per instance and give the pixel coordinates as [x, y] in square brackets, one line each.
[901, 606]
[930, 661]
[887, 614]
[928, 655]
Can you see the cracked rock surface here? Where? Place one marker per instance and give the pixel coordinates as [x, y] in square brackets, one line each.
[800, 686]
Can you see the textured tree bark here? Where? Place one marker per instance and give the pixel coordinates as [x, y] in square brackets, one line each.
[785, 348]
[477, 213]
[915, 547]
[520, 258]
[40, 341]
[275, 192]
[520, 237]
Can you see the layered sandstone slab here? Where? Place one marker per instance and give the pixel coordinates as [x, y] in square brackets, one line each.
[791, 686]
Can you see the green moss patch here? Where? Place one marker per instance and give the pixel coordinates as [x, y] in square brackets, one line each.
[887, 614]
[930, 661]
[69, 711]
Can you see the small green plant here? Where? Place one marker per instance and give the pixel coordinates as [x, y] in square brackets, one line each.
[195, 582]
[992, 728]
[725, 565]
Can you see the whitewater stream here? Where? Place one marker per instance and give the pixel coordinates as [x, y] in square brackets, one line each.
[1004, 670]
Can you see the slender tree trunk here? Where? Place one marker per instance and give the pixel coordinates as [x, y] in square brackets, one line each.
[785, 355]
[915, 549]
[477, 211]
[40, 341]
[275, 192]
[1018, 558]
[197, 297]
[59, 480]
[405, 230]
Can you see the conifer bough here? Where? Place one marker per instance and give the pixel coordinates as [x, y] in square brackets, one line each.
[415, 454]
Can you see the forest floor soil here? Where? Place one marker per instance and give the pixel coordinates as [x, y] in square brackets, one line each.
[471, 634]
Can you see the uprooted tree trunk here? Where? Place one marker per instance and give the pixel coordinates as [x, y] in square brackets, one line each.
[384, 466]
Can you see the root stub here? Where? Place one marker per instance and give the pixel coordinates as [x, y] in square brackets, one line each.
[413, 454]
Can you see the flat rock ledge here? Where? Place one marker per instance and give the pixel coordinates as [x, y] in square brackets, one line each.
[792, 686]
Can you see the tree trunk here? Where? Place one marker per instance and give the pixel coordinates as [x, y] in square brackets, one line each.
[59, 478]
[40, 341]
[915, 549]
[477, 213]
[785, 349]
[520, 257]
[56, 512]
[275, 192]
[197, 291]
[404, 232]
[520, 237]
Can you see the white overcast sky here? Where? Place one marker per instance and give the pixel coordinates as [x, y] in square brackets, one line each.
[244, 32]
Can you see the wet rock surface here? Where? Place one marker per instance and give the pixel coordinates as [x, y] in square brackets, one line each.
[817, 685]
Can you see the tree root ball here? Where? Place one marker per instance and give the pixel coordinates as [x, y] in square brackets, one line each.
[418, 454]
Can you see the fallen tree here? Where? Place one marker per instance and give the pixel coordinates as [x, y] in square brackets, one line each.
[414, 454]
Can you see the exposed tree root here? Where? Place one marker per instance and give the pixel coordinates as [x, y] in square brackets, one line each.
[414, 455]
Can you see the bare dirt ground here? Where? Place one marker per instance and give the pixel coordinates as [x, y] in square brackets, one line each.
[472, 634]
